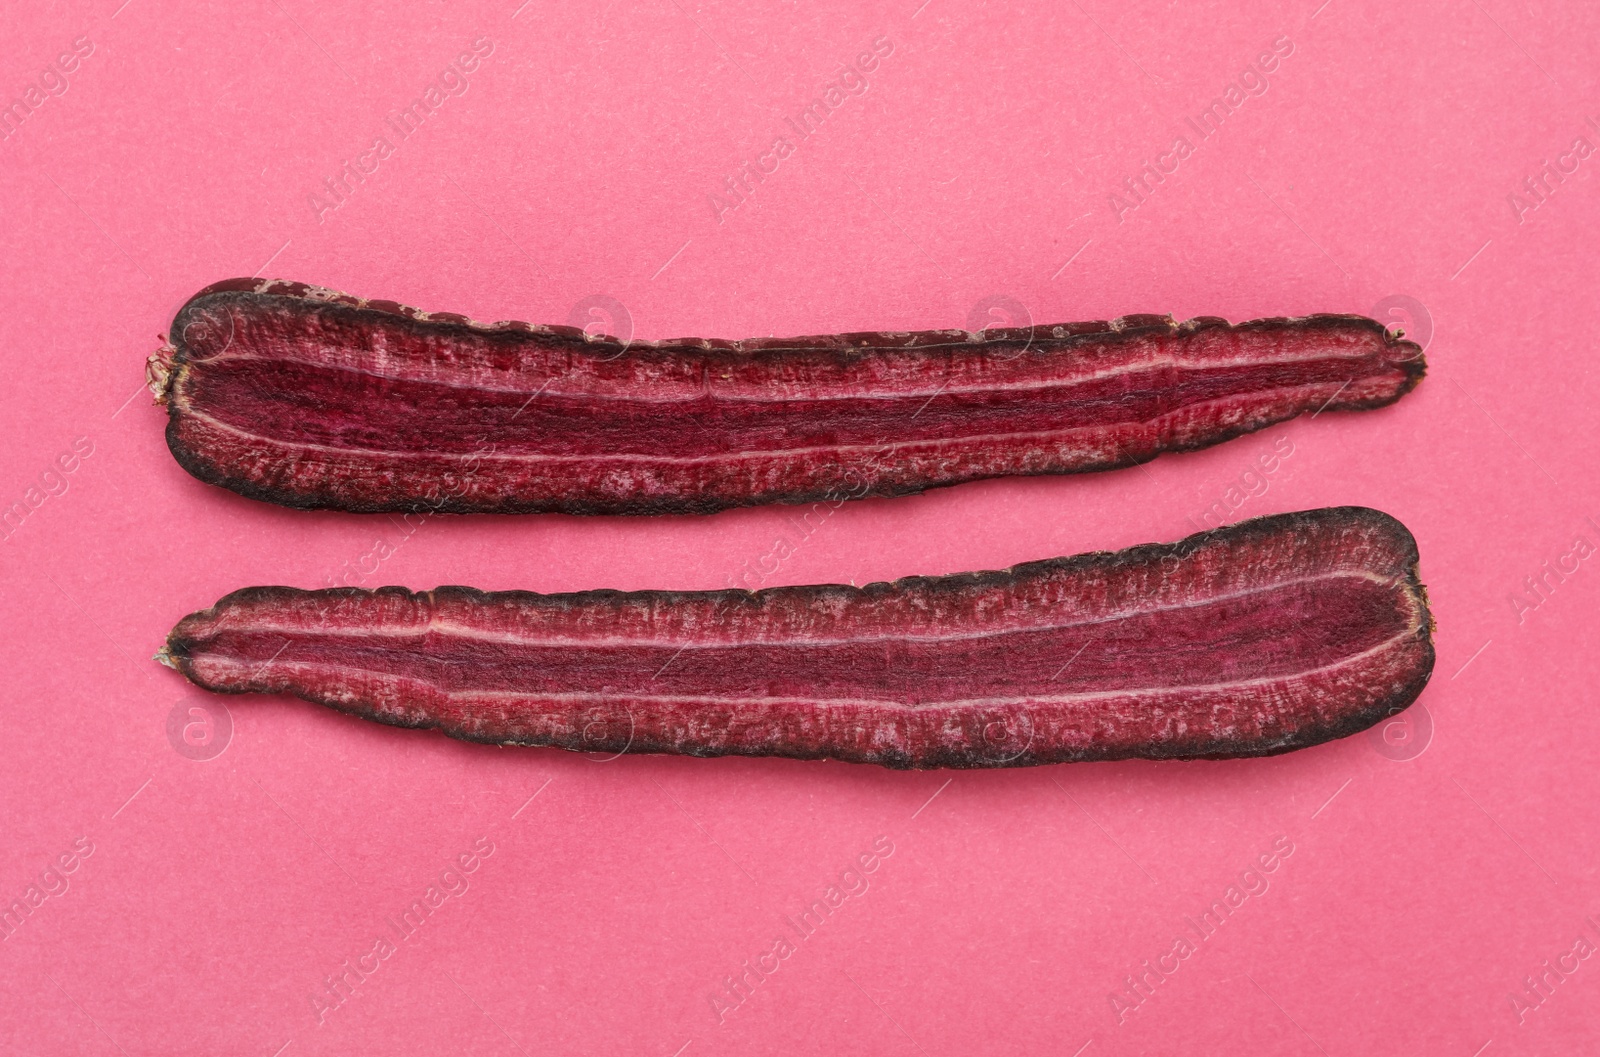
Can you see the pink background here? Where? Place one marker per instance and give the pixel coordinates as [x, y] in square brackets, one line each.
[221, 894]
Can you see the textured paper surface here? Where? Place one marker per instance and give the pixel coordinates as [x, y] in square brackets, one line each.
[1358, 157]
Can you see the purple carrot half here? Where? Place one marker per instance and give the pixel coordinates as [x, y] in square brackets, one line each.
[314, 399]
[1249, 640]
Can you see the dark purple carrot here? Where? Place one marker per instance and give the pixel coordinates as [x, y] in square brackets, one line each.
[309, 398]
[1250, 640]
